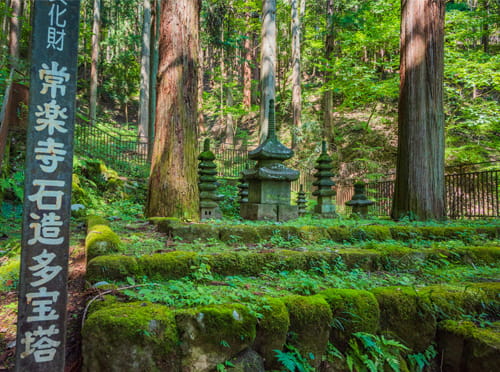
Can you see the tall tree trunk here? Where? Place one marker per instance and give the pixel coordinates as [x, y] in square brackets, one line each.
[247, 70]
[267, 64]
[173, 184]
[328, 119]
[143, 127]
[14, 35]
[153, 75]
[419, 190]
[296, 85]
[95, 61]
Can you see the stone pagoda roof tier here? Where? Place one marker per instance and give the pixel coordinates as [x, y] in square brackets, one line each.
[276, 171]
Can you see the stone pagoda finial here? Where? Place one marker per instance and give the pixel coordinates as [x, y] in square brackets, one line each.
[359, 201]
[324, 184]
[207, 171]
[269, 181]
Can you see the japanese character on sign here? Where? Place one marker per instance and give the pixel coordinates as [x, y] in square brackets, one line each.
[47, 230]
[43, 270]
[44, 349]
[54, 79]
[51, 112]
[48, 153]
[42, 302]
[55, 38]
[48, 194]
[55, 14]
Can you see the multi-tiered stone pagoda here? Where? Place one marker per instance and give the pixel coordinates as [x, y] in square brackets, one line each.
[270, 180]
[207, 171]
[324, 184]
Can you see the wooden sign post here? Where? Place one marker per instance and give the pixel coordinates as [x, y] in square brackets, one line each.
[41, 324]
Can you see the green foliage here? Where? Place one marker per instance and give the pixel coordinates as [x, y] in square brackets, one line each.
[420, 361]
[368, 352]
[12, 187]
[293, 361]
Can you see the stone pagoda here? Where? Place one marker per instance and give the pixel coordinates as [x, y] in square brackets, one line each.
[207, 170]
[324, 184]
[359, 201]
[270, 180]
[243, 188]
[301, 201]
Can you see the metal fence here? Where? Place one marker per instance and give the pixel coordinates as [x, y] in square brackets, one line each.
[125, 153]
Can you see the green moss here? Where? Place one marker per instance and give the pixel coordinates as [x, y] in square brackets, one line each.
[365, 259]
[353, 311]
[371, 232]
[313, 233]
[467, 347]
[95, 220]
[406, 315]
[103, 302]
[128, 337]
[310, 319]
[453, 301]
[239, 234]
[405, 233]
[78, 193]
[272, 329]
[339, 233]
[481, 254]
[112, 268]
[101, 240]
[9, 274]
[212, 334]
[172, 265]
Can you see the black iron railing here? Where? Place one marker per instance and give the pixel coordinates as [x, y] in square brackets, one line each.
[125, 153]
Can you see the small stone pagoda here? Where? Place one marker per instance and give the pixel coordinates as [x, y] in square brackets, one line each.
[207, 170]
[301, 201]
[270, 180]
[243, 188]
[359, 201]
[324, 184]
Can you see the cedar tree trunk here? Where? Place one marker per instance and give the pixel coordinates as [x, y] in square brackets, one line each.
[420, 190]
[173, 183]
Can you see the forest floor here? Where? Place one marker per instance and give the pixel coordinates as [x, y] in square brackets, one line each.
[77, 297]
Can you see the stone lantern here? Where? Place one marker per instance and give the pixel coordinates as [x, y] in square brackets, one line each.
[269, 182]
[324, 184]
[207, 171]
[359, 201]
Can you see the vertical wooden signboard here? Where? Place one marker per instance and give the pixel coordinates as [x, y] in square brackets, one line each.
[41, 327]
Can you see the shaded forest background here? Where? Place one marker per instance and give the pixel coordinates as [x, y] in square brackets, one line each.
[350, 49]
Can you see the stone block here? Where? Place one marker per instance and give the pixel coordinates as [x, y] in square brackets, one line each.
[256, 211]
[287, 212]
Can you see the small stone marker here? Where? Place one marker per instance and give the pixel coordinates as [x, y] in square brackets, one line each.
[301, 201]
[269, 181]
[359, 201]
[41, 323]
[324, 184]
[207, 171]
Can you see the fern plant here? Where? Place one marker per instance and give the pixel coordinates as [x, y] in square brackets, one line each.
[368, 352]
[293, 361]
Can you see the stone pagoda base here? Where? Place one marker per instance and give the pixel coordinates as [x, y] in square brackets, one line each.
[325, 210]
[269, 212]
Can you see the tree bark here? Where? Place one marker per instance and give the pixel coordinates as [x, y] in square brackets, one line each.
[173, 184]
[328, 119]
[247, 70]
[419, 189]
[296, 81]
[143, 127]
[267, 63]
[153, 75]
[95, 61]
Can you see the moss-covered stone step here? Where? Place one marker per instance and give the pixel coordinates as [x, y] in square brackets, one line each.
[251, 234]
[174, 265]
[131, 336]
[468, 348]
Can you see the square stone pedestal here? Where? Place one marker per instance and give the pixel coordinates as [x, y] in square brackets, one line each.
[325, 210]
[268, 212]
